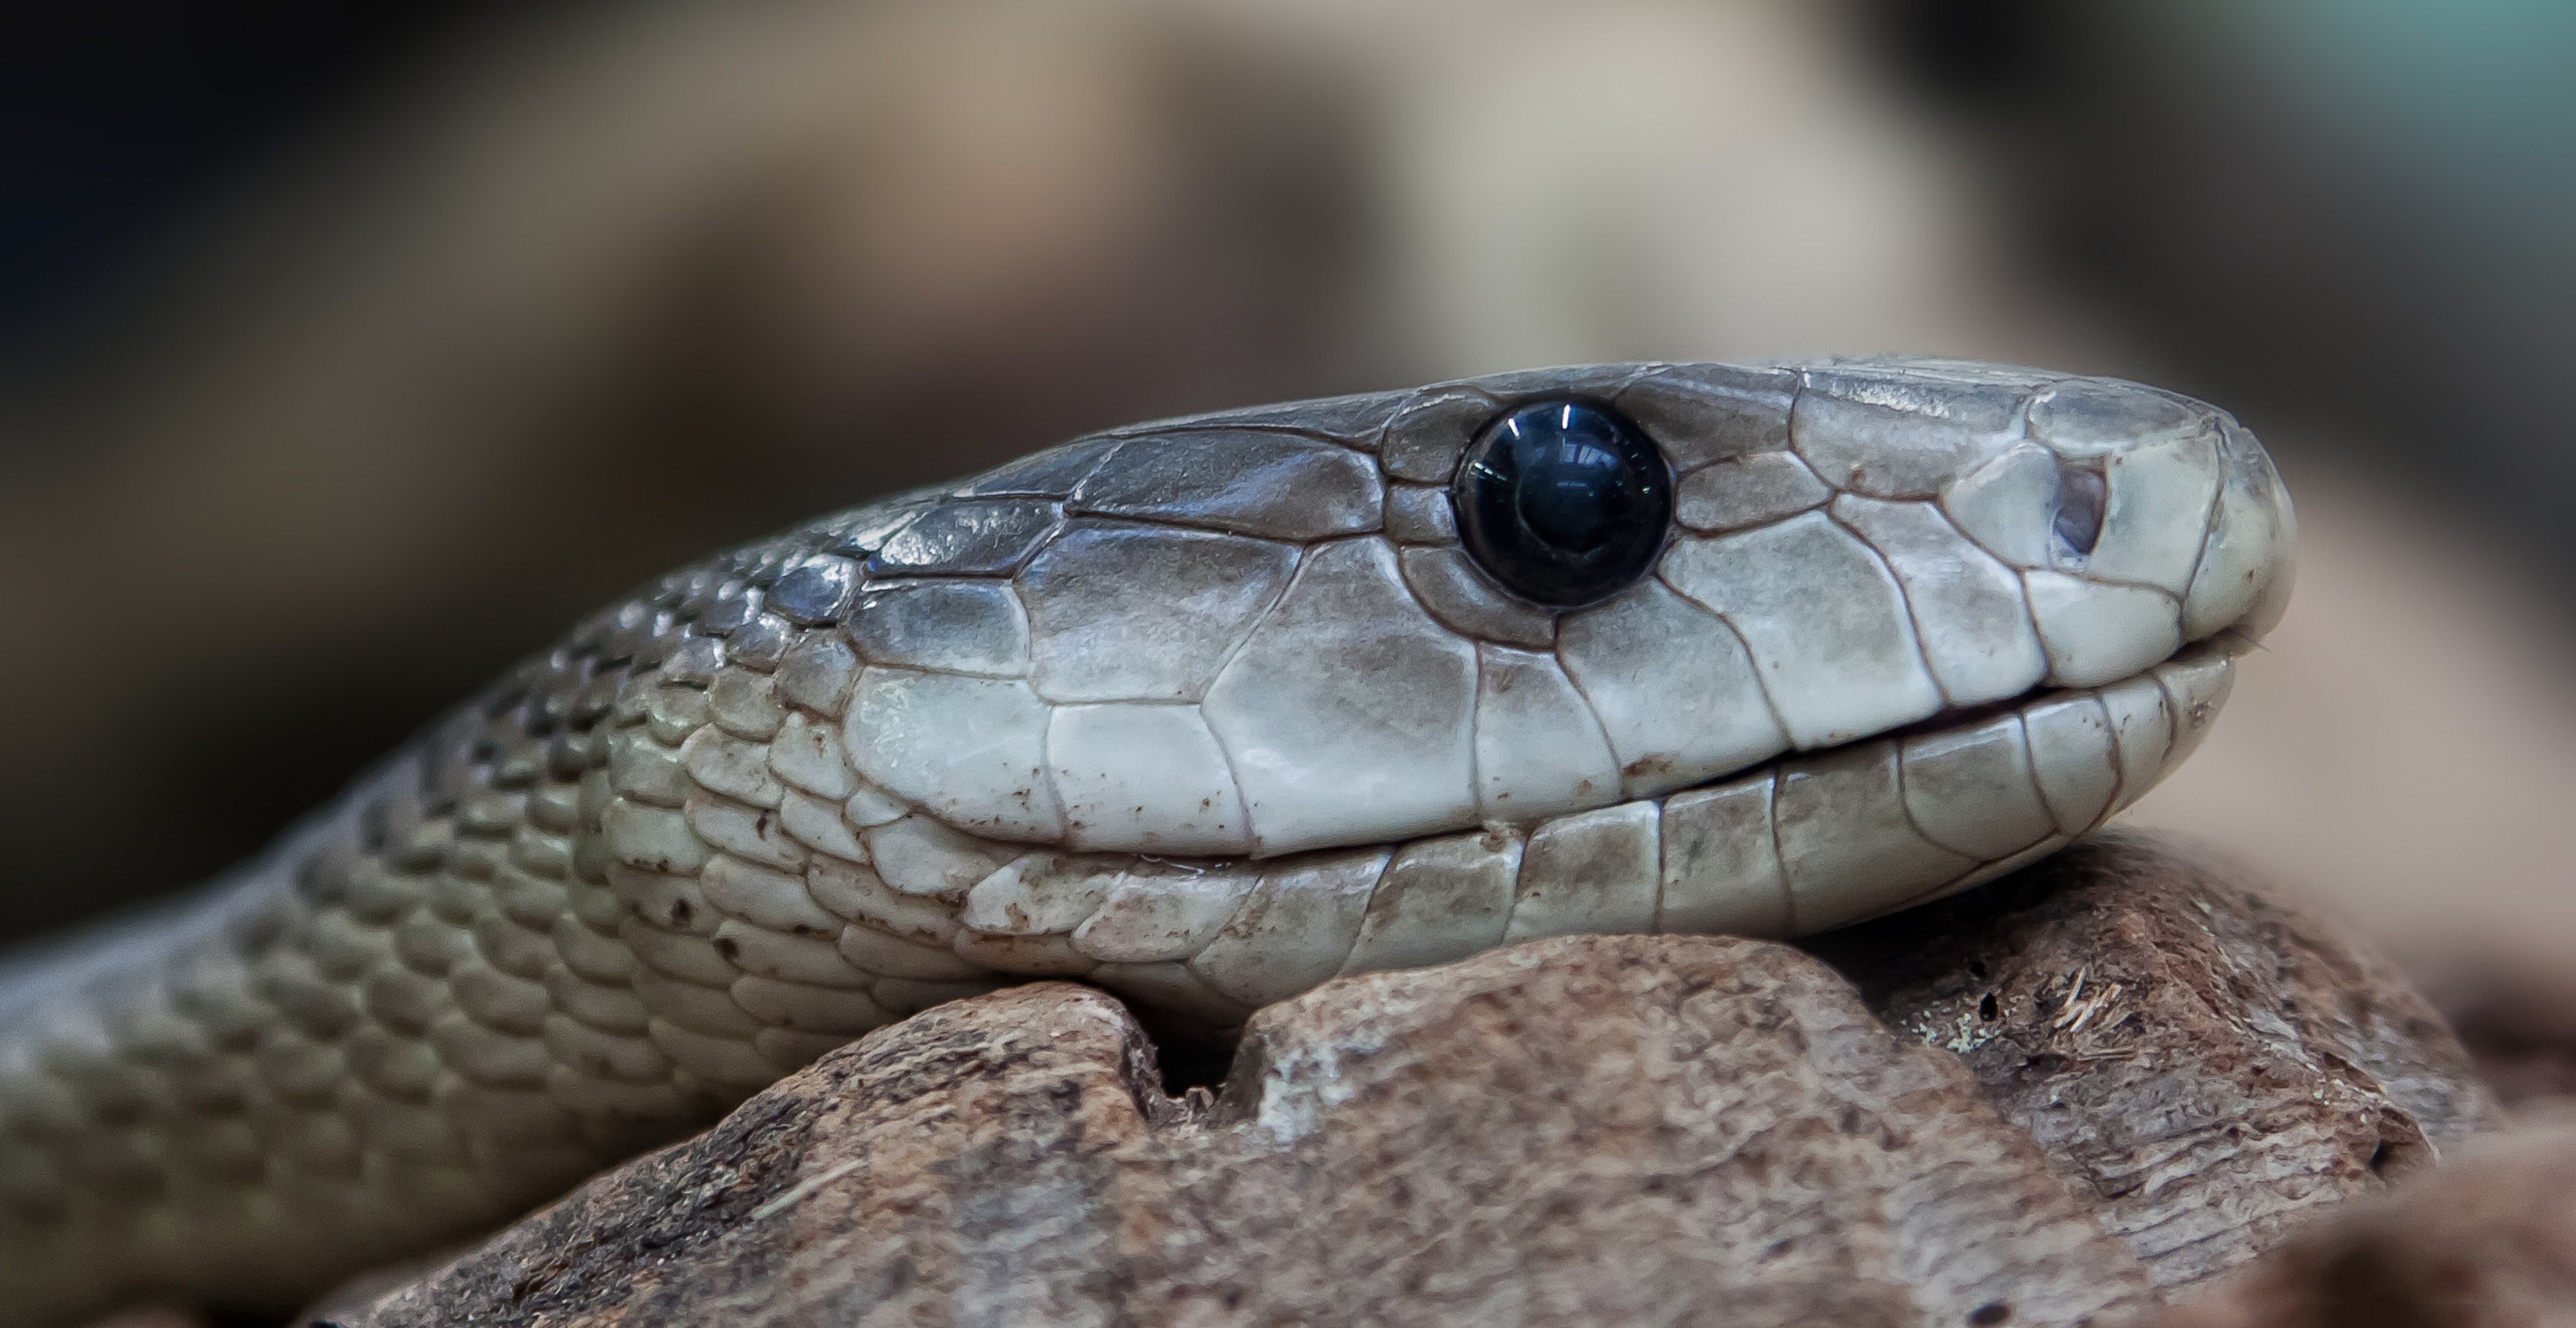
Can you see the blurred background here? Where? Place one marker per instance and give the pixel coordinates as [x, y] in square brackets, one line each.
[348, 352]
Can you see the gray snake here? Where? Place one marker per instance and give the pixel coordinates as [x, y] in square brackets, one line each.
[1204, 712]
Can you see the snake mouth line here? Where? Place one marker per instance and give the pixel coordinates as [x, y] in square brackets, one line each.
[1813, 840]
[2190, 702]
[2222, 647]
[1802, 843]
[2228, 644]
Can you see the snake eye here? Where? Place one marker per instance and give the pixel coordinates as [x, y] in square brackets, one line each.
[1563, 502]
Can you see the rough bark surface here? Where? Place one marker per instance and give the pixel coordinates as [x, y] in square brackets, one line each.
[2487, 1242]
[1579, 1131]
[2211, 1065]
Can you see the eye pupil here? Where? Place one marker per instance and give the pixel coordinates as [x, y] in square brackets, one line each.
[1570, 496]
[1563, 502]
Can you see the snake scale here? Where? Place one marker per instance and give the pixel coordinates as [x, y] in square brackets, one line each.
[1205, 712]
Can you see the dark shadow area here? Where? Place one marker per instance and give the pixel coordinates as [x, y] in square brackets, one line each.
[1188, 1057]
[121, 123]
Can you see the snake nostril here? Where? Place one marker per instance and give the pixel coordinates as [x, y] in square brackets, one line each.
[2080, 496]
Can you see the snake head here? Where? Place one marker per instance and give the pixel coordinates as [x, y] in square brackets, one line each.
[1342, 622]
[1206, 712]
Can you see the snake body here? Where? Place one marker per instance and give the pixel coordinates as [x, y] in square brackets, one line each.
[1204, 712]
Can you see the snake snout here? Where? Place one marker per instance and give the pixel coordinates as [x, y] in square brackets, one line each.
[2138, 520]
[2160, 491]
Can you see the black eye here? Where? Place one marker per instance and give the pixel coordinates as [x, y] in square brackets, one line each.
[1563, 502]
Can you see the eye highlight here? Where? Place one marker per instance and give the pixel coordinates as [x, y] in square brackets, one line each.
[1563, 502]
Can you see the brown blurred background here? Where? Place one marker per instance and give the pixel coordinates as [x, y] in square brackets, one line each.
[346, 354]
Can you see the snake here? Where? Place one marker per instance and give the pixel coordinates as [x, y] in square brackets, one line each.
[1204, 712]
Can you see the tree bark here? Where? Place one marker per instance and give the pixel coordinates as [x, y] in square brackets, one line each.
[2211, 1065]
